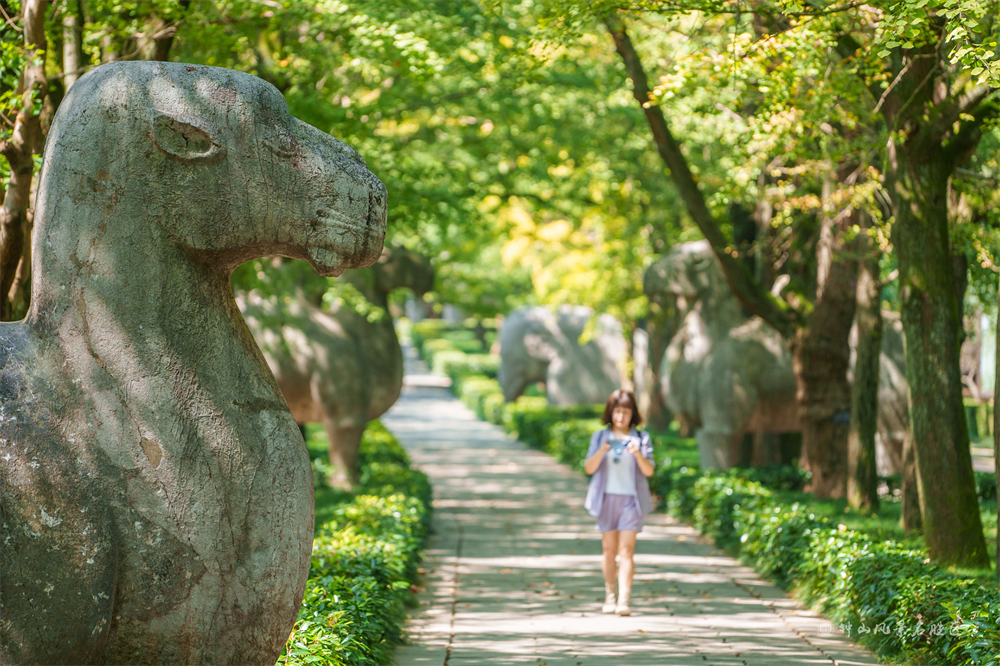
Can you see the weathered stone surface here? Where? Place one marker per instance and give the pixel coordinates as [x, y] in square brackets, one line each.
[336, 367]
[726, 375]
[538, 345]
[156, 497]
[722, 374]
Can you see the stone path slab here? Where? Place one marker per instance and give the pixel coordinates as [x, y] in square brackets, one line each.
[513, 573]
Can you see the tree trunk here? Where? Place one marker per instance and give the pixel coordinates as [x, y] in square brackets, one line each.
[996, 430]
[820, 360]
[72, 42]
[912, 518]
[862, 475]
[18, 150]
[661, 329]
[20, 291]
[917, 184]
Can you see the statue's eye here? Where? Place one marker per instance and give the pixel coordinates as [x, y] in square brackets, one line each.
[281, 143]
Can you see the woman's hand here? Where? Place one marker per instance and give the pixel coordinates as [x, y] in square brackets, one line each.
[594, 461]
[643, 463]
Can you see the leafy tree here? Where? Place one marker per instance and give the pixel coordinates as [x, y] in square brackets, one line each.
[933, 111]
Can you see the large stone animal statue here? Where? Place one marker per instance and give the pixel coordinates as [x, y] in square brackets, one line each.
[155, 493]
[538, 345]
[726, 375]
[334, 366]
[723, 375]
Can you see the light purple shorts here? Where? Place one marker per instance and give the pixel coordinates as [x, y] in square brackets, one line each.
[619, 512]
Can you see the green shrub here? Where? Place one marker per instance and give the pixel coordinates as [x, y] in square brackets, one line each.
[775, 537]
[986, 486]
[568, 441]
[886, 596]
[530, 419]
[455, 364]
[493, 406]
[475, 391]
[977, 625]
[423, 331]
[364, 562]
[464, 340]
[719, 500]
[432, 348]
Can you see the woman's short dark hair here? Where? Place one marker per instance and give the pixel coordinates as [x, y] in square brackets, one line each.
[621, 398]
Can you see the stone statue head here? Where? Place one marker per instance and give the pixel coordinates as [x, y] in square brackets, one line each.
[210, 161]
[537, 344]
[689, 277]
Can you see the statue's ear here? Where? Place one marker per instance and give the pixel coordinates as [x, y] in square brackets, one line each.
[185, 138]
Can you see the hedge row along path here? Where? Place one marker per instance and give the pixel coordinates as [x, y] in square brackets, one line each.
[513, 572]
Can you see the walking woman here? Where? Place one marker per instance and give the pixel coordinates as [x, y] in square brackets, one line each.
[620, 462]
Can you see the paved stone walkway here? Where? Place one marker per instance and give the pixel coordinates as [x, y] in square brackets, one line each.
[513, 568]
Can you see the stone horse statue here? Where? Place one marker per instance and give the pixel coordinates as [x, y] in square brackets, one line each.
[336, 367]
[726, 375]
[155, 494]
[538, 345]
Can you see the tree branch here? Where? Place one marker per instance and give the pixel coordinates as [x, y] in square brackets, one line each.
[741, 282]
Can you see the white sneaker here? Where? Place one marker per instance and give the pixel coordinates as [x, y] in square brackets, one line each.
[623, 609]
[610, 604]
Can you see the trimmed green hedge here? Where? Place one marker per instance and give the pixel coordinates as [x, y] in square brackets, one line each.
[457, 364]
[885, 596]
[364, 562]
[431, 336]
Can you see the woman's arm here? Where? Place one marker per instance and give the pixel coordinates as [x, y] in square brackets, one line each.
[645, 464]
[594, 461]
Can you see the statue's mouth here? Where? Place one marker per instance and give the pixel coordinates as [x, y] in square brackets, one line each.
[340, 243]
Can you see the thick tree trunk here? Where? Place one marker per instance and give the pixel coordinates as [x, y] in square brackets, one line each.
[820, 359]
[912, 518]
[18, 150]
[917, 184]
[862, 475]
[996, 431]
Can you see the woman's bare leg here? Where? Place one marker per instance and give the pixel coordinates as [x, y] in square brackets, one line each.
[609, 545]
[626, 569]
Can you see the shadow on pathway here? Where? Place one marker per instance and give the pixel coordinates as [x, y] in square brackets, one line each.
[513, 568]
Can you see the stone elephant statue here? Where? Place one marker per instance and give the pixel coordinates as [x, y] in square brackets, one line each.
[334, 366]
[539, 345]
[726, 375]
